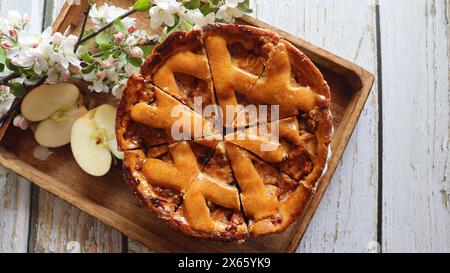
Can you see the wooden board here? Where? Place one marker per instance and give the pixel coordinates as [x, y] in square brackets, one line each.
[99, 196]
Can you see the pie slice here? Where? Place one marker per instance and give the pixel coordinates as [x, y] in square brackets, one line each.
[290, 82]
[161, 175]
[237, 55]
[271, 200]
[211, 206]
[179, 66]
[148, 117]
[298, 145]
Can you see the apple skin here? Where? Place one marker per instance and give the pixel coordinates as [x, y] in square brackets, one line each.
[93, 140]
[45, 100]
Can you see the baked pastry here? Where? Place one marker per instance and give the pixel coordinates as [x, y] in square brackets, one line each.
[252, 176]
[146, 116]
[179, 66]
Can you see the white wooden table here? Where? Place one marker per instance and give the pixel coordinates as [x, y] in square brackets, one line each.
[393, 184]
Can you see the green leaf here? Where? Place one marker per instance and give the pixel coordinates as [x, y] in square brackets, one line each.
[142, 5]
[214, 2]
[147, 49]
[105, 47]
[88, 69]
[103, 38]
[207, 8]
[135, 61]
[3, 54]
[193, 4]
[88, 31]
[12, 67]
[86, 56]
[119, 26]
[18, 89]
[245, 6]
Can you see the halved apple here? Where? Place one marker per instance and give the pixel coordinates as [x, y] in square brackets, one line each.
[93, 140]
[56, 107]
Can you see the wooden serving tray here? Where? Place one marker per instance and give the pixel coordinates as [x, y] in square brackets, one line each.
[109, 199]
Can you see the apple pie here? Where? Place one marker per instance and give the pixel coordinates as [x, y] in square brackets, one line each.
[236, 173]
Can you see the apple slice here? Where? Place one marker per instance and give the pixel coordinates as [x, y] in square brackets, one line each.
[47, 100]
[93, 140]
[57, 132]
[56, 107]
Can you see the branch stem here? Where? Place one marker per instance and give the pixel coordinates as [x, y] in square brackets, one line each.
[83, 27]
[95, 33]
[6, 79]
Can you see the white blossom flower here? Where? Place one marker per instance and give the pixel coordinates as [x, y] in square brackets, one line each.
[163, 12]
[21, 122]
[227, 13]
[197, 18]
[233, 3]
[6, 99]
[131, 69]
[106, 14]
[15, 20]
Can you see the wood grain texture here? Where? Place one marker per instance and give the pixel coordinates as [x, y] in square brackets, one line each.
[350, 86]
[57, 226]
[135, 247]
[416, 126]
[14, 190]
[346, 220]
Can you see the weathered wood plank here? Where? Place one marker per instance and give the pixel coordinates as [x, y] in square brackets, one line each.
[59, 227]
[346, 220]
[15, 191]
[416, 126]
[135, 247]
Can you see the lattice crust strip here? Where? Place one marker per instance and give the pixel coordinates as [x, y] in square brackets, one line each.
[179, 66]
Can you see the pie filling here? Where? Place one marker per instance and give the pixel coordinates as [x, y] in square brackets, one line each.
[242, 184]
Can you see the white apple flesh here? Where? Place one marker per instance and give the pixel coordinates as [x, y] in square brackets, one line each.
[56, 131]
[56, 108]
[93, 140]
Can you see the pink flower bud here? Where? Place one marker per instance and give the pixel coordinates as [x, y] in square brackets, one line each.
[21, 122]
[57, 38]
[136, 52]
[107, 64]
[132, 29]
[75, 69]
[12, 32]
[6, 44]
[100, 75]
[66, 75]
[119, 37]
[35, 45]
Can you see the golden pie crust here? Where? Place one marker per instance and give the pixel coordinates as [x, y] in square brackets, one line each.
[221, 184]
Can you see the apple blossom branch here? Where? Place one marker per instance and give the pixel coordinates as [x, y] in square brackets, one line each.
[102, 29]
